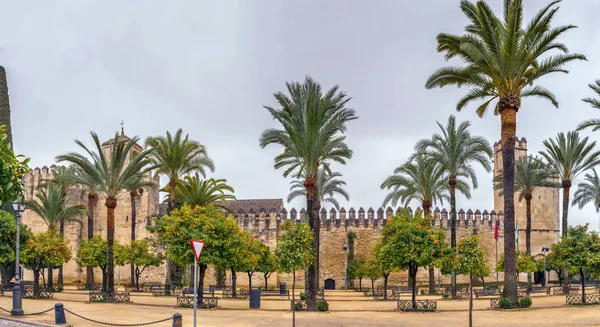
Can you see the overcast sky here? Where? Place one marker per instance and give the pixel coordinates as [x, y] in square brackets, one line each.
[210, 66]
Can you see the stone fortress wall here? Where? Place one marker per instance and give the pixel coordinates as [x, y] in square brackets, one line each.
[263, 217]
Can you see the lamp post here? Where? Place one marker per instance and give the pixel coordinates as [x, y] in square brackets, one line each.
[545, 250]
[345, 248]
[17, 309]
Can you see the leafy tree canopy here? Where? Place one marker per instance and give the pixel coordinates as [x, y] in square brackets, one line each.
[525, 263]
[294, 250]
[92, 253]
[46, 249]
[219, 233]
[138, 253]
[12, 169]
[579, 249]
[8, 237]
[266, 262]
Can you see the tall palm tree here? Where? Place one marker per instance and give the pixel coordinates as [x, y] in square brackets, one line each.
[111, 175]
[194, 191]
[175, 156]
[595, 103]
[90, 191]
[455, 150]
[58, 179]
[588, 192]
[133, 194]
[503, 59]
[329, 187]
[531, 174]
[52, 206]
[311, 134]
[423, 180]
[569, 156]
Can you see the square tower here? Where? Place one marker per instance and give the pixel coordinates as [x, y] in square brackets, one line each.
[545, 218]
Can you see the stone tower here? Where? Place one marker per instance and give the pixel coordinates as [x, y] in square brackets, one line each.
[146, 206]
[545, 218]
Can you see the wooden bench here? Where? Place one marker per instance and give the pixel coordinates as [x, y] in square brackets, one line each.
[242, 293]
[162, 291]
[461, 293]
[147, 286]
[275, 293]
[490, 291]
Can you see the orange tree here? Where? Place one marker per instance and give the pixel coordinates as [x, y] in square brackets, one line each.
[44, 249]
[294, 252]
[470, 259]
[382, 264]
[250, 253]
[139, 255]
[243, 259]
[266, 263]
[578, 249]
[209, 224]
[92, 253]
[8, 244]
[410, 243]
[12, 169]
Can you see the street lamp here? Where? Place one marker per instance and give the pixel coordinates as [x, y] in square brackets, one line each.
[545, 250]
[345, 248]
[17, 309]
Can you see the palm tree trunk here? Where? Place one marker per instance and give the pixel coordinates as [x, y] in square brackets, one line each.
[132, 194]
[566, 186]
[312, 280]
[452, 182]
[528, 235]
[175, 272]
[427, 212]
[61, 230]
[508, 115]
[111, 204]
[293, 298]
[89, 274]
[471, 300]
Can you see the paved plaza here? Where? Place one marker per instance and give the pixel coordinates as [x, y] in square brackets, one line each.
[347, 309]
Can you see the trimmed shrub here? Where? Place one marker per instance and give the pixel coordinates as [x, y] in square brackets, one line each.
[505, 303]
[525, 302]
[445, 295]
[302, 296]
[298, 307]
[322, 306]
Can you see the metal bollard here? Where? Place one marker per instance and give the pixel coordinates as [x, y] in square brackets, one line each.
[59, 314]
[177, 320]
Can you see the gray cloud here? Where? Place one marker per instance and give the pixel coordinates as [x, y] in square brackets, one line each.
[210, 67]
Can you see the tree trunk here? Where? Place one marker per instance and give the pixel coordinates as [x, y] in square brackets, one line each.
[452, 182]
[412, 270]
[528, 236]
[200, 289]
[250, 280]
[372, 286]
[103, 279]
[311, 274]
[36, 281]
[137, 278]
[360, 283]
[566, 186]
[132, 194]
[471, 300]
[111, 204]
[508, 115]
[427, 212]
[293, 298]
[50, 276]
[266, 278]
[385, 280]
[582, 274]
[170, 264]
[60, 269]
[89, 274]
[233, 283]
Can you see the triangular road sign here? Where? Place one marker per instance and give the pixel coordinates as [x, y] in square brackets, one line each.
[197, 246]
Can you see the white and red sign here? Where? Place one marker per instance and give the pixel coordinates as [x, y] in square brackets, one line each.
[197, 246]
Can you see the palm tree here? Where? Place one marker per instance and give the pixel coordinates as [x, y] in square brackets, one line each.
[175, 156]
[110, 174]
[531, 174]
[423, 180]
[503, 60]
[595, 103]
[567, 157]
[329, 187]
[52, 206]
[455, 149]
[63, 184]
[133, 194]
[90, 190]
[311, 135]
[197, 192]
[588, 192]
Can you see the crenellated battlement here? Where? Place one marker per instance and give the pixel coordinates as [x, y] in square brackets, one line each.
[45, 173]
[264, 217]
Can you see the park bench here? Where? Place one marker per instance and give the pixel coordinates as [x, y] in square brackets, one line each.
[461, 293]
[274, 293]
[401, 290]
[28, 293]
[117, 297]
[147, 286]
[186, 298]
[162, 291]
[559, 290]
[242, 293]
[488, 291]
